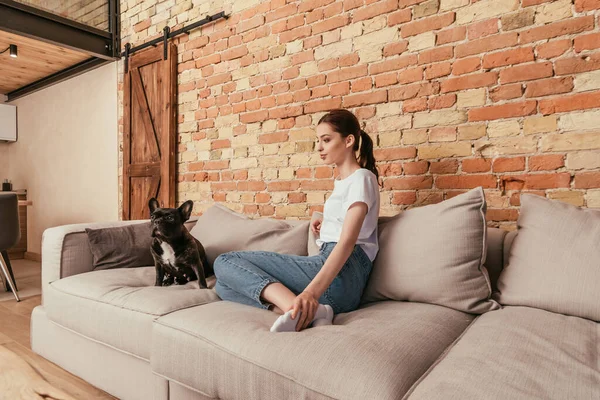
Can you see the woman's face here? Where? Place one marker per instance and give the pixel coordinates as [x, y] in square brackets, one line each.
[330, 144]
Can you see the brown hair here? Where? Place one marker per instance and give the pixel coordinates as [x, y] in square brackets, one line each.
[345, 123]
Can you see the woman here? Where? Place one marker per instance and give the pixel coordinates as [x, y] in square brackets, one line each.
[317, 287]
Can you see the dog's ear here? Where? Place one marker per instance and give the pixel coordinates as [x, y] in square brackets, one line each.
[153, 204]
[186, 210]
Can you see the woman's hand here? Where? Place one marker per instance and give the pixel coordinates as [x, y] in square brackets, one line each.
[316, 226]
[308, 304]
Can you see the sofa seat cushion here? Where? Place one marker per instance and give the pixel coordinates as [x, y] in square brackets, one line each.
[519, 353]
[117, 306]
[225, 350]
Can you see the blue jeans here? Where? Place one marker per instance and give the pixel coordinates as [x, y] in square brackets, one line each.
[242, 276]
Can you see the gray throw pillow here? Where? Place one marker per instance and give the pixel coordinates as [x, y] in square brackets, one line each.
[221, 230]
[121, 247]
[435, 254]
[554, 260]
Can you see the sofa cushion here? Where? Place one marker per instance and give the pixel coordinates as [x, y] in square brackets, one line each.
[435, 254]
[121, 246]
[117, 306]
[225, 350]
[221, 230]
[518, 353]
[553, 263]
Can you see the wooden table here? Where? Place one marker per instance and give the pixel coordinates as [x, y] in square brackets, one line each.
[25, 202]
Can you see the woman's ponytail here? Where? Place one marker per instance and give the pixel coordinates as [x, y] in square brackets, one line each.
[366, 159]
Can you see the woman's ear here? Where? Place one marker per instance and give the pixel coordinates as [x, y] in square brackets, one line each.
[349, 141]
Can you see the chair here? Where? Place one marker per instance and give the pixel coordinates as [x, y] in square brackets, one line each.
[10, 234]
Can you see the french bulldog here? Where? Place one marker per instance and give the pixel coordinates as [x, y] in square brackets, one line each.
[178, 257]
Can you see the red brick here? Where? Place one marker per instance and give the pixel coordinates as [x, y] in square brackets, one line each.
[437, 70]
[262, 197]
[546, 162]
[276, 137]
[444, 167]
[546, 87]
[348, 73]
[393, 49]
[587, 42]
[487, 44]
[392, 169]
[476, 165]
[526, 72]
[140, 26]
[469, 82]
[309, 5]
[587, 180]
[465, 181]
[220, 144]
[506, 92]
[386, 79]
[509, 110]
[538, 181]
[414, 105]
[466, 65]
[394, 64]
[349, 60]
[586, 5]
[216, 164]
[312, 42]
[483, 28]
[285, 112]
[294, 198]
[294, 34]
[414, 90]
[282, 186]
[451, 35]
[508, 57]
[553, 49]
[437, 54]
[364, 99]
[581, 101]
[404, 198]
[397, 153]
[515, 198]
[561, 28]
[329, 24]
[281, 12]
[427, 24]
[303, 173]
[576, 65]
[251, 23]
[322, 105]
[504, 214]
[409, 183]
[509, 164]
[443, 101]
[333, 9]
[373, 10]
[411, 75]
[319, 91]
[362, 84]
[323, 172]
[415, 167]
[255, 116]
[234, 53]
[527, 3]
[317, 185]
[339, 89]
[407, 3]
[399, 17]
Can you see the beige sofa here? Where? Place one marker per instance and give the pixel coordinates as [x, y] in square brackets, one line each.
[135, 341]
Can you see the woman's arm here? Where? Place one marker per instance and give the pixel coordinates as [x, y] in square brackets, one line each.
[336, 260]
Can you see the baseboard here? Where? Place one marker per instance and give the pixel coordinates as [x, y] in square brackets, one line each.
[29, 255]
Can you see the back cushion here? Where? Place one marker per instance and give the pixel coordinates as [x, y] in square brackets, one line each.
[221, 230]
[553, 263]
[435, 254]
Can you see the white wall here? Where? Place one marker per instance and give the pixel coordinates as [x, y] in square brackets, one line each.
[66, 155]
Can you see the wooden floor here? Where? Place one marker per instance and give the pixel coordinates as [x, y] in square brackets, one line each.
[14, 336]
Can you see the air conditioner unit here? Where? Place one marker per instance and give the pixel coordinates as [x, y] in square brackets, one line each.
[8, 123]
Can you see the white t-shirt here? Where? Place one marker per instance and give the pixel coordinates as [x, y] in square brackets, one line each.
[360, 186]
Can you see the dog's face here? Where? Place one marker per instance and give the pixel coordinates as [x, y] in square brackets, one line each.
[168, 222]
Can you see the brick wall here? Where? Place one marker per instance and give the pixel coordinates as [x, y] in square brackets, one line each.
[90, 12]
[455, 93]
